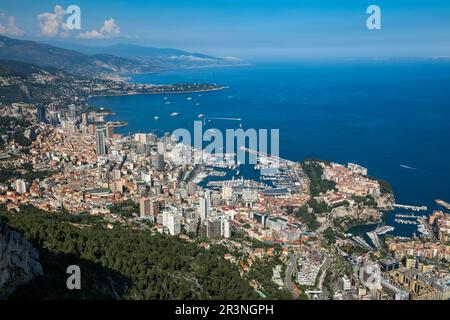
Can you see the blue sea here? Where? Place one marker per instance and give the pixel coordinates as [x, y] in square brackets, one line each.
[392, 117]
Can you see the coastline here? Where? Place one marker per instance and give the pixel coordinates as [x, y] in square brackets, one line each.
[154, 93]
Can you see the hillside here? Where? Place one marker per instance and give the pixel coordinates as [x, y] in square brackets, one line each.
[103, 62]
[158, 58]
[19, 261]
[74, 62]
[122, 263]
[10, 68]
[25, 82]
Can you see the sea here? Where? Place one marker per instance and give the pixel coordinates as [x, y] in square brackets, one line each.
[392, 117]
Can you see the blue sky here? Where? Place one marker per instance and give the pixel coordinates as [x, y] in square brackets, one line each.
[251, 29]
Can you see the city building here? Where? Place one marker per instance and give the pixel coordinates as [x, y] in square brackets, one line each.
[158, 162]
[100, 143]
[225, 228]
[41, 113]
[214, 228]
[357, 169]
[144, 207]
[171, 220]
[205, 205]
[20, 186]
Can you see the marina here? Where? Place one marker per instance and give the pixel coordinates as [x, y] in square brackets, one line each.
[247, 183]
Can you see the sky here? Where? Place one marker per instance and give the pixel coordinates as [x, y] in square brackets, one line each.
[248, 29]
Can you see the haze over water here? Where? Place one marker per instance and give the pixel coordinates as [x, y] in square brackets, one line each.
[389, 116]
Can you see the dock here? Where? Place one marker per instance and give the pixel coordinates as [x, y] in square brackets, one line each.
[413, 208]
[375, 239]
[440, 202]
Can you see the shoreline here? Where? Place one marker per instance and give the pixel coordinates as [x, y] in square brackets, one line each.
[154, 93]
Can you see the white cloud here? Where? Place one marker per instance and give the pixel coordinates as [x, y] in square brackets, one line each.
[53, 24]
[110, 29]
[8, 26]
[190, 58]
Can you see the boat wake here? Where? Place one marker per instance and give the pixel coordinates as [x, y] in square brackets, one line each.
[410, 168]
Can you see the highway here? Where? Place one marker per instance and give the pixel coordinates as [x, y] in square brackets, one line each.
[291, 269]
[324, 268]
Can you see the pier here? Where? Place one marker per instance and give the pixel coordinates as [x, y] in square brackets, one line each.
[427, 228]
[440, 202]
[226, 119]
[405, 215]
[403, 221]
[375, 239]
[360, 241]
[413, 208]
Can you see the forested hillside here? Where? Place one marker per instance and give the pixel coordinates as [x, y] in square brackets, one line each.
[122, 263]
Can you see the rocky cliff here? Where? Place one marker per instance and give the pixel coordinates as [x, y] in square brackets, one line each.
[19, 260]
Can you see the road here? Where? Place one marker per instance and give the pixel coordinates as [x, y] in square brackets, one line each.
[291, 268]
[324, 268]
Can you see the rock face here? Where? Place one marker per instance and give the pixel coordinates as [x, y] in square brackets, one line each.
[385, 202]
[363, 214]
[19, 261]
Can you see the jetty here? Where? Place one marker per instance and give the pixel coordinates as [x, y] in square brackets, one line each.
[440, 202]
[413, 208]
[375, 239]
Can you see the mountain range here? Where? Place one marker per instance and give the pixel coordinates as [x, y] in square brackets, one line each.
[119, 59]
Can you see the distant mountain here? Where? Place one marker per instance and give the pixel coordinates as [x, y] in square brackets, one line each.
[158, 58]
[129, 50]
[74, 62]
[104, 62]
